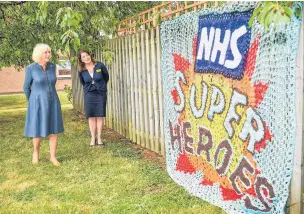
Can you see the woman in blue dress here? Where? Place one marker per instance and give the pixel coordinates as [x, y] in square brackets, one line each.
[94, 77]
[43, 117]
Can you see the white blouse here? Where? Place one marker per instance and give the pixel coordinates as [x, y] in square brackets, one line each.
[91, 74]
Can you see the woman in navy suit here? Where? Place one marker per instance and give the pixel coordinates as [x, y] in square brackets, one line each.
[94, 77]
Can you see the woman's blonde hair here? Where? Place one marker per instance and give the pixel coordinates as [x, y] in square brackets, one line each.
[38, 50]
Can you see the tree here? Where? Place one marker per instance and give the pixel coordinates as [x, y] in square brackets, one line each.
[65, 26]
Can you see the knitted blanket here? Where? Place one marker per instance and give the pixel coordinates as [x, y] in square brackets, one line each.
[229, 107]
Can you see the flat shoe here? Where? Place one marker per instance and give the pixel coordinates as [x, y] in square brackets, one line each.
[55, 162]
[35, 162]
[101, 145]
[95, 143]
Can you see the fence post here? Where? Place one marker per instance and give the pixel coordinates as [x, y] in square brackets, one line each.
[130, 91]
[160, 92]
[140, 92]
[125, 80]
[114, 71]
[154, 92]
[119, 87]
[296, 198]
[144, 88]
[128, 87]
[133, 92]
[136, 85]
[149, 87]
[110, 93]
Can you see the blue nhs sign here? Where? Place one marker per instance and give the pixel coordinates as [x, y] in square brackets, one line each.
[223, 42]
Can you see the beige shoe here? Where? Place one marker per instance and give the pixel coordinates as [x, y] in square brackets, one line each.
[93, 143]
[55, 162]
[35, 162]
[101, 144]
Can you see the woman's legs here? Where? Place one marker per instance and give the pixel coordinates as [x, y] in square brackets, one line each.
[92, 125]
[53, 148]
[99, 129]
[36, 145]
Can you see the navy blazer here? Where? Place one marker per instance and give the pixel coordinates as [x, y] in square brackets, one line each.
[100, 77]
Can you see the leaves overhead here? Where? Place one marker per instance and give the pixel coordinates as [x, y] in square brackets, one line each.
[66, 26]
[274, 12]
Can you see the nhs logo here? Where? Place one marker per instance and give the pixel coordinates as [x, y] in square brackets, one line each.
[223, 42]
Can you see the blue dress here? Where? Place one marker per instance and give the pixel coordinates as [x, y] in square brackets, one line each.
[43, 115]
[95, 90]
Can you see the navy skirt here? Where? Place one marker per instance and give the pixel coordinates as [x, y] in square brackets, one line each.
[95, 103]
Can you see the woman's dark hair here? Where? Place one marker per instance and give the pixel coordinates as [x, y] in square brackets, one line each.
[81, 65]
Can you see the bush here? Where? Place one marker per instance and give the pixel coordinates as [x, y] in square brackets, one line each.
[69, 92]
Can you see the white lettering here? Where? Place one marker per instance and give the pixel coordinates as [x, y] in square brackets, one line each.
[206, 43]
[234, 48]
[236, 99]
[220, 46]
[255, 132]
[198, 112]
[180, 75]
[211, 44]
[216, 107]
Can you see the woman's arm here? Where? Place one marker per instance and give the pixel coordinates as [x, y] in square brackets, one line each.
[105, 73]
[81, 78]
[27, 82]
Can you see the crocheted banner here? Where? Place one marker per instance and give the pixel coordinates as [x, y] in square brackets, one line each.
[229, 102]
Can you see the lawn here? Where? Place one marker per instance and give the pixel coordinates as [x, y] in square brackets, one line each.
[18, 101]
[116, 179]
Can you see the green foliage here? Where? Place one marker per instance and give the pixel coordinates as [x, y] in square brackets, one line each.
[69, 92]
[66, 26]
[108, 56]
[159, 19]
[23, 24]
[298, 9]
[131, 8]
[272, 12]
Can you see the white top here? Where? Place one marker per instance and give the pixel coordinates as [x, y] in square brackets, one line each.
[91, 74]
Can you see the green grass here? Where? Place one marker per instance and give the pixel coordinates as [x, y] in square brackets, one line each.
[116, 179]
[17, 101]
